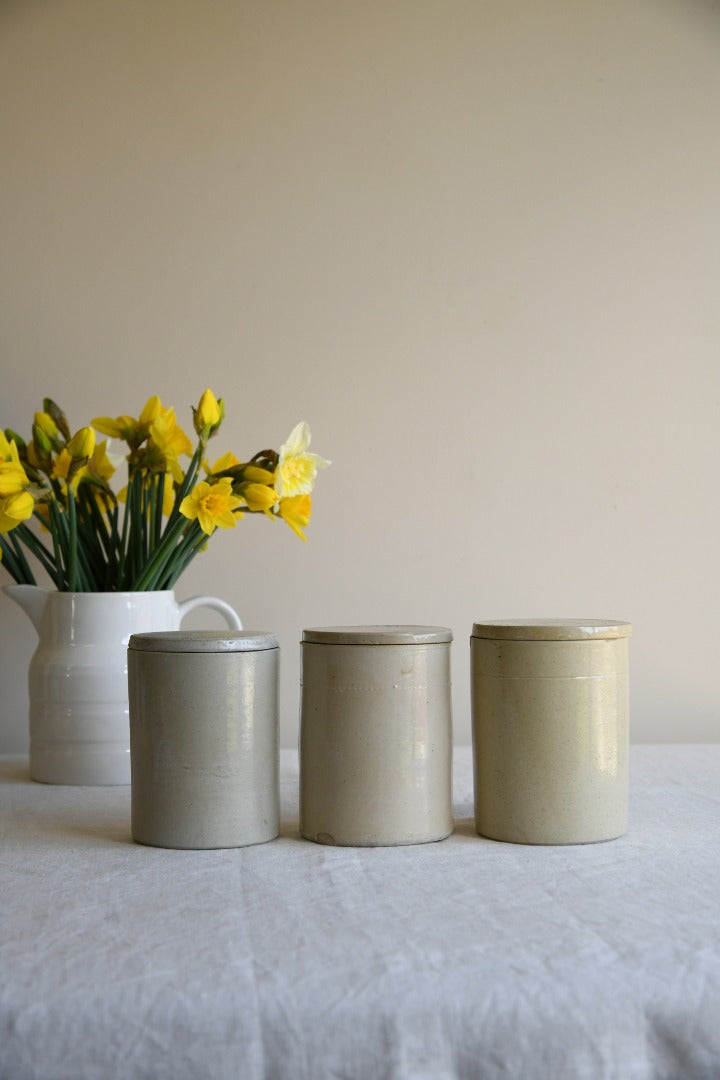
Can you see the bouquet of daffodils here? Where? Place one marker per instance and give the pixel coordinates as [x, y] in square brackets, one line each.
[89, 538]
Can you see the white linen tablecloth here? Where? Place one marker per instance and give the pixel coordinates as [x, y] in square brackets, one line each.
[466, 958]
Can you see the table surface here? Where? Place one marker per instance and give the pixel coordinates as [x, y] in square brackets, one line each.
[464, 958]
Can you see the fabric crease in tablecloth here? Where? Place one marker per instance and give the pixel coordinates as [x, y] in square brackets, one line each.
[461, 959]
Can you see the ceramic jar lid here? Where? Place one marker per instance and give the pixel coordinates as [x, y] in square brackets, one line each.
[378, 635]
[203, 641]
[551, 629]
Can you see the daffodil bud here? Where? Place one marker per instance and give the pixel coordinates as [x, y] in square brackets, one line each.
[255, 475]
[82, 444]
[13, 437]
[258, 496]
[209, 415]
[45, 423]
[40, 449]
[32, 457]
[58, 417]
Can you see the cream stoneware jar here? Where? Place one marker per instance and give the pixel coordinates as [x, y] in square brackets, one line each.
[204, 738]
[550, 729]
[376, 735]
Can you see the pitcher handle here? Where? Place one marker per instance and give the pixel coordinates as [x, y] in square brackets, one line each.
[231, 616]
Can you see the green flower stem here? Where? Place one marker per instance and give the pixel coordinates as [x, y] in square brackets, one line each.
[39, 550]
[184, 552]
[151, 514]
[106, 563]
[198, 543]
[21, 558]
[133, 511]
[156, 565]
[92, 558]
[73, 573]
[115, 574]
[58, 531]
[144, 517]
[123, 540]
[157, 507]
[96, 522]
[11, 564]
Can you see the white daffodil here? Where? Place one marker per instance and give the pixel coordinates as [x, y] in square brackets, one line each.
[297, 469]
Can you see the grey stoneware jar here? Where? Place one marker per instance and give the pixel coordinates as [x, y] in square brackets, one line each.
[550, 729]
[204, 738]
[376, 735]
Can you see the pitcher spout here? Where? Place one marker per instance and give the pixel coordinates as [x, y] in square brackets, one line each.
[32, 599]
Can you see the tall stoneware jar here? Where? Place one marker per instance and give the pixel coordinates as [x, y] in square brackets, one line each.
[550, 729]
[376, 735]
[204, 738]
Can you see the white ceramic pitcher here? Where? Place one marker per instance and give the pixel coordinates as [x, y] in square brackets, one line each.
[79, 715]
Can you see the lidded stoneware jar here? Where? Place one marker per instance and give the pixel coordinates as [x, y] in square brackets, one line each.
[550, 729]
[376, 735]
[204, 738]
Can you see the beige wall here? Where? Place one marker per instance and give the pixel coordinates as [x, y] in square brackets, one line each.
[475, 244]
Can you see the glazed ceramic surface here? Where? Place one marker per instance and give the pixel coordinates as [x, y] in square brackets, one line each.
[79, 727]
[204, 738]
[550, 730]
[376, 735]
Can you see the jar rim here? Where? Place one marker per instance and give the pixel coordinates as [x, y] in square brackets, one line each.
[203, 641]
[388, 634]
[551, 629]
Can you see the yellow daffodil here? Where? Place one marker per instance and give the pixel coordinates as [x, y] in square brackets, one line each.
[150, 411]
[167, 434]
[103, 464]
[64, 469]
[97, 473]
[212, 505]
[64, 481]
[256, 475]
[209, 415]
[61, 466]
[225, 461]
[8, 449]
[170, 439]
[15, 509]
[122, 427]
[133, 432]
[297, 468]
[13, 478]
[82, 444]
[258, 496]
[296, 512]
[168, 497]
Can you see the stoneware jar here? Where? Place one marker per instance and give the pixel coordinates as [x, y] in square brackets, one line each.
[204, 738]
[376, 735]
[550, 729]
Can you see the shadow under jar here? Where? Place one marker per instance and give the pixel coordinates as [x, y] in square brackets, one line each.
[204, 738]
[550, 729]
[376, 735]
